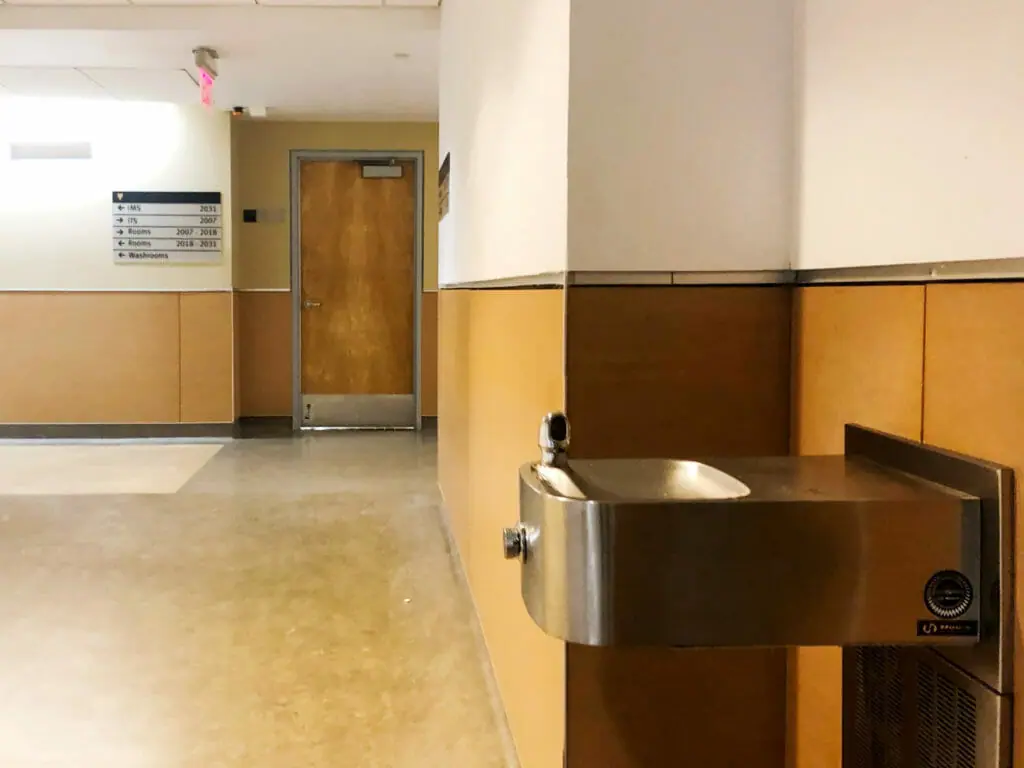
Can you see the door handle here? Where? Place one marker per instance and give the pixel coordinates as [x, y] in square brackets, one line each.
[310, 304]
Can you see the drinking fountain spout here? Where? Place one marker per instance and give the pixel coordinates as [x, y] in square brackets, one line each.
[554, 440]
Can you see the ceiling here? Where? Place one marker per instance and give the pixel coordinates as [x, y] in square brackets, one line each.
[193, 3]
[350, 59]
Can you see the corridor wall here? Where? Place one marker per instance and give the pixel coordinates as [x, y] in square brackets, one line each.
[260, 163]
[87, 340]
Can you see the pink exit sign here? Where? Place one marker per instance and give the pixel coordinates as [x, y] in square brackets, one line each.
[205, 87]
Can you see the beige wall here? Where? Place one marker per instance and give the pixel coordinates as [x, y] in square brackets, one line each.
[55, 215]
[260, 156]
[260, 164]
[116, 358]
[501, 369]
[86, 340]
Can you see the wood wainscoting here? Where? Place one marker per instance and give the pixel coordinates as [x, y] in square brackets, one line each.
[116, 357]
[677, 371]
[207, 358]
[264, 331]
[501, 370]
[265, 353]
[973, 386]
[858, 356]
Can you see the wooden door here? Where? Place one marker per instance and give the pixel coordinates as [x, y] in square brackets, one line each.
[358, 295]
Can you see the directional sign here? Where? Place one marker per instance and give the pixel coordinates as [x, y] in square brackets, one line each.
[167, 227]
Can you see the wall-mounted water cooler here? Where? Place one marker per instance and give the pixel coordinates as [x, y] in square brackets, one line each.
[897, 551]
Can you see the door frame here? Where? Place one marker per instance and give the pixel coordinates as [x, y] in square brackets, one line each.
[296, 158]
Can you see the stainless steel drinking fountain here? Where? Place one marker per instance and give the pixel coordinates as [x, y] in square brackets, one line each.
[900, 552]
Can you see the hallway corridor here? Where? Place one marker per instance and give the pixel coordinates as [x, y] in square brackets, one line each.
[261, 603]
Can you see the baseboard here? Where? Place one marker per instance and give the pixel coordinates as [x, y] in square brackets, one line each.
[254, 427]
[494, 693]
[113, 431]
[246, 427]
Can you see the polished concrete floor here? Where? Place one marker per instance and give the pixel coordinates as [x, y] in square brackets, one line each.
[263, 603]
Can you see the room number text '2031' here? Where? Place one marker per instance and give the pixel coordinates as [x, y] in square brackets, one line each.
[195, 243]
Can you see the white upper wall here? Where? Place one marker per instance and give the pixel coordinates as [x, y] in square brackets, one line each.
[912, 131]
[55, 215]
[681, 135]
[504, 119]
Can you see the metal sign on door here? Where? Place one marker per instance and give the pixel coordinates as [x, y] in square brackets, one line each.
[167, 227]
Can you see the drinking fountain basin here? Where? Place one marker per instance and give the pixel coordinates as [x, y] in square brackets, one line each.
[880, 546]
[898, 551]
[639, 480]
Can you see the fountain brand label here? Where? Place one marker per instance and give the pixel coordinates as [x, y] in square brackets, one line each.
[946, 628]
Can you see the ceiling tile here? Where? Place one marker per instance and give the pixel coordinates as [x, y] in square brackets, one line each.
[173, 85]
[48, 81]
[67, 2]
[193, 2]
[332, 3]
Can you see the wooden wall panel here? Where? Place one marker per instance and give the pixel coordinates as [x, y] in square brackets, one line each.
[973, 387]
[515, 377]
[265, 352]
[858, 358]
[453, 417]
[664, 370]
[501, 369]
[641, 708]
[236, 353]
[428, 354]
[677, 371]
[89, 358]
[207, 358]
[858, 354]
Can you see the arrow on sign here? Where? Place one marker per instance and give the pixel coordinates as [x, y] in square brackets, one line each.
[120, 242]
[120, 255]
[120, 220]
[120, 207]
[120, 231]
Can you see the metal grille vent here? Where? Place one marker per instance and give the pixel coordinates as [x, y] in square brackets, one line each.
[947, 722]
[878, 709]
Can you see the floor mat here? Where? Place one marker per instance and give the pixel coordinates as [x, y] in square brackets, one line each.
[99, 469]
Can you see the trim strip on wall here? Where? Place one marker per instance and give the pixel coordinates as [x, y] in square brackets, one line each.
[982, 269]
[116, 290]
[544, 279]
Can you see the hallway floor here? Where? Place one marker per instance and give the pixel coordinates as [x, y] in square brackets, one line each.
[262, 603]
